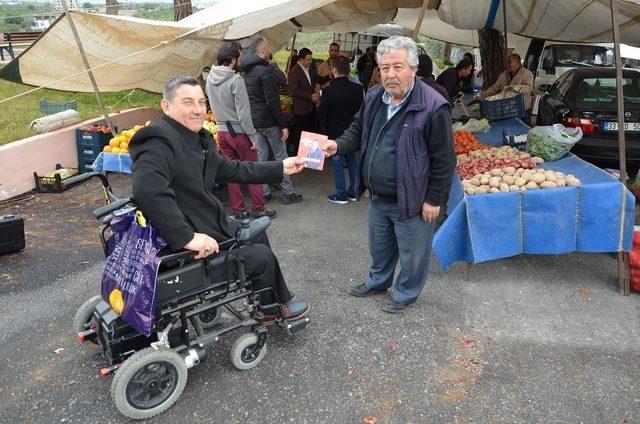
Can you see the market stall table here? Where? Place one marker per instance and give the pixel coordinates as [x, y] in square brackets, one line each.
[585, 218]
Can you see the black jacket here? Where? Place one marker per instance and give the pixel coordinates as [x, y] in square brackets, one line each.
[340, 102]
[450, 80]
[262, 88]
[174, 170]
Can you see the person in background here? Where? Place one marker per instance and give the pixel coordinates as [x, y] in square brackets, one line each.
[324, 69]
[365, 66]
[237, 136]
[339, 104]
[467, 83]
[293, 58]
[375, 77]
[302, 82]
[403, 131]
[267, 117]
[451, 78]
[425, 72]
[515, 74]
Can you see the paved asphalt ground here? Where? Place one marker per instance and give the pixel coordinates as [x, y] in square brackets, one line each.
[547, 339]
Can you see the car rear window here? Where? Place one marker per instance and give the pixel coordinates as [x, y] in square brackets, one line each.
[601, 90]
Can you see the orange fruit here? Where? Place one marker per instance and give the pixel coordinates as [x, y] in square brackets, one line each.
[107, 148]
[114, 142]
[124, 146]
[115, 150]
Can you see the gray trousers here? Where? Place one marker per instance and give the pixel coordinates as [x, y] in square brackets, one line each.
[271, 138]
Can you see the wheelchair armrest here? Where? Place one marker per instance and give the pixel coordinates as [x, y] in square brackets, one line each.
[249, 229]
[189, 254]
[107, 209]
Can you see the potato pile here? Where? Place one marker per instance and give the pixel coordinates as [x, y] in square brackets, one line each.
[478, 162]
[511, 179]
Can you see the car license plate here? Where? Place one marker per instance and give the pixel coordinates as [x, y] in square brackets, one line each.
[628, 126]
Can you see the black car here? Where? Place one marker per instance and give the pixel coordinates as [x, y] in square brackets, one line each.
[586, 98]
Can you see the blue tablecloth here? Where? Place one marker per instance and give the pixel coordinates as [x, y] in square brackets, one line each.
[113, 162]
[583, 218]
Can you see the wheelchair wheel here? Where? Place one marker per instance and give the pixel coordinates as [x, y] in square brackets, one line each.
[210, 319]
[83, 316]
[148, 383]
[240, 354]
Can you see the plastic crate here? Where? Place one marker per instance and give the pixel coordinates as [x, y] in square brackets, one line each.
[84, 166]
[54, 184]
[89, 149]
[97, 139]
[511, 107]
[47, 107]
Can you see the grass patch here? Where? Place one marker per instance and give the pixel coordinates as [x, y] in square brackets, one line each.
[18, 113]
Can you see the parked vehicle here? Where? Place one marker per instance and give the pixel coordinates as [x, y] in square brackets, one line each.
[586, 98]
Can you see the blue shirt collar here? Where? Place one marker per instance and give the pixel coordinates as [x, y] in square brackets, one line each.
[391, 110]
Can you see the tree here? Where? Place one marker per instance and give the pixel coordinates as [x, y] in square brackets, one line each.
[112, 7]
[493, 55]
[181, 9]
[446, 54]
[86, 5]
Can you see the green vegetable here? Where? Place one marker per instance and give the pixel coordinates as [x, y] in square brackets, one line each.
[551, 143]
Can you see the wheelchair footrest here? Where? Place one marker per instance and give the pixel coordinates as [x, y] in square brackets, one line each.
[291, 327]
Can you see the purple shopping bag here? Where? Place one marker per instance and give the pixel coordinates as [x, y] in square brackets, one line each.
[129, 278]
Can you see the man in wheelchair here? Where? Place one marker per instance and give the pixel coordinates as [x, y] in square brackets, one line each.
[175, 166]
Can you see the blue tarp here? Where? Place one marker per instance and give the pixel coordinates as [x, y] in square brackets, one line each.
[583, 218]
[112, 162]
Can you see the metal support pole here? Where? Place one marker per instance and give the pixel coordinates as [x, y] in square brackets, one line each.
[103, 109]
[293, 45]
[623, 258]
[416, 30]
[504, 26]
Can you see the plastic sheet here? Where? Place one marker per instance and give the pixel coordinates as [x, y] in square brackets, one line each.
[112, 162]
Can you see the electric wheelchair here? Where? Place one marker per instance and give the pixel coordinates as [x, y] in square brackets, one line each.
[150, 373]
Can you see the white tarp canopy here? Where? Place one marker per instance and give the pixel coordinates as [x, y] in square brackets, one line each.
[178, 48]
[561, 20]
[185, 47]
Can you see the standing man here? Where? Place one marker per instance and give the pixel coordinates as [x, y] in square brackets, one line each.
[515, 74]
[365, 66]
[403, 131]
[324, 69]
[451, 79]
[267, 117]
[339, 104]
[302, 82]
[236, 134]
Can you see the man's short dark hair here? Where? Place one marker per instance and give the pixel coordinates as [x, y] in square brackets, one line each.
[425, 66]
[469, 57]
[169, 91]
[229, 51]
[341, 64]
[303, 53]
[516, 56]
[255, 43]
[463, 64]
[335, 44]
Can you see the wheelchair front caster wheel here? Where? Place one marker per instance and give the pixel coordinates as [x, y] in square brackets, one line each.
[83, 317]
[242, 354]
[148, 383]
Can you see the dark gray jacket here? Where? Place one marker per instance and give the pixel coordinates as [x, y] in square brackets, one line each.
[262, 88]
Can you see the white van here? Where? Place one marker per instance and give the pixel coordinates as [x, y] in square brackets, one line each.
[550, 59]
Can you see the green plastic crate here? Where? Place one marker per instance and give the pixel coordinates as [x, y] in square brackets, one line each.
[47, 107]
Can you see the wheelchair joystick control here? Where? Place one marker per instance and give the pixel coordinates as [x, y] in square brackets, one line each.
[251, 228]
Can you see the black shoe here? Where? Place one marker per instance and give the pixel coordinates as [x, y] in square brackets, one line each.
[289, 199]
[393, 307]
[363, 291]
[239, 216]
[267, 197]
[267, 212]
